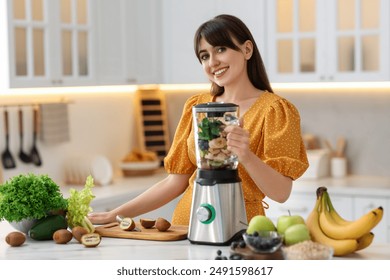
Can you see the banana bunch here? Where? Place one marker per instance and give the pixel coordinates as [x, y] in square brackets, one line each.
[329, 228]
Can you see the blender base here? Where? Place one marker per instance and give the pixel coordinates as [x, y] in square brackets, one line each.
[235, 237]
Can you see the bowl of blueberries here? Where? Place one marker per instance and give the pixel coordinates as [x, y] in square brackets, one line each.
[263, 242]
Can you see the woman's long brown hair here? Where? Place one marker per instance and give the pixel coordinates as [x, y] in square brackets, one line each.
[220, 31]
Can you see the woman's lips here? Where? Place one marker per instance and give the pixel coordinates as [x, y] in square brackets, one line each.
[220, 72]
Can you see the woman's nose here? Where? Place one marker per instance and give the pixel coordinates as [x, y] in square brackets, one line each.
[213, 61]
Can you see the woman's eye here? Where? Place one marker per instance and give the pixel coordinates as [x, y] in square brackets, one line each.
[204, 57]
[221, 49]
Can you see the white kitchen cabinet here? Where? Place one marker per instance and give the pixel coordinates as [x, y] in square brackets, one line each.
[47, 43]
[328, 40]
[181, 20]
[349, 204]
[363, 205]
[303, 203]
[129, 41]
[297, 204]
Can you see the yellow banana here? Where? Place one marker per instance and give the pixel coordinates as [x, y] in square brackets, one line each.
[335, 215]
[340, 247]
[379, 214]
[351, 230]
[340, 220]
[365, 241]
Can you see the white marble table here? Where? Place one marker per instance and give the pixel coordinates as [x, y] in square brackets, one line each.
[128, 249]
[112, 248]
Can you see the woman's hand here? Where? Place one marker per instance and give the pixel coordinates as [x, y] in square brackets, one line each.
[238, 142]
[102, 217]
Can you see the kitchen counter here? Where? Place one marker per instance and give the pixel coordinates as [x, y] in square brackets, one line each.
[127, 187]
[360, 185]
[129, 249]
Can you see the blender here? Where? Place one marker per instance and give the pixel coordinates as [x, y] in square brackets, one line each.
[218, 214]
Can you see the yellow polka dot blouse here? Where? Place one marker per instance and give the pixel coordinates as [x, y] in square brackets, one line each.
[275, 137]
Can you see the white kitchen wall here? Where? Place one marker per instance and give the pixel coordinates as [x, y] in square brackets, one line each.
[100, 124]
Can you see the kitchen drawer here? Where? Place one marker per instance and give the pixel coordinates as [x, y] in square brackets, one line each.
[297, 204]
[343, 205]
[362, 205]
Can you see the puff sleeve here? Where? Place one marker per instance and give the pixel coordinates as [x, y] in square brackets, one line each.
[284, 149]
[178, 160]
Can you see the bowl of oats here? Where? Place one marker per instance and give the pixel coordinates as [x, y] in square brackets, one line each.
[307, 250]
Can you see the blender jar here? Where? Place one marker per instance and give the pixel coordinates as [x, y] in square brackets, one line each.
[210, 120]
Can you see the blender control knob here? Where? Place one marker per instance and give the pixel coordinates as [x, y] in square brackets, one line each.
[205, 213]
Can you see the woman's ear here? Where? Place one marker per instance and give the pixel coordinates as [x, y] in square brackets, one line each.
[248, 49]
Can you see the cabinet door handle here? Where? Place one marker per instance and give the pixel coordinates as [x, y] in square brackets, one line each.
[370, 206]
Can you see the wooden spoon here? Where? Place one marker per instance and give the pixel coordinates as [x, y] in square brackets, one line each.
[330, 148]
[340, 147]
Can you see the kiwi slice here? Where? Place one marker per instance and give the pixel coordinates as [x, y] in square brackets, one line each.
[147, 223]
[162, 224]
[127, 224]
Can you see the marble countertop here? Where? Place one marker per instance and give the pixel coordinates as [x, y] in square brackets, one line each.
[113, 248]
[356, 184]
[130, 249]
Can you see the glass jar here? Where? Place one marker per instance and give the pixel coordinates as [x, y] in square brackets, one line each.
[210, 120]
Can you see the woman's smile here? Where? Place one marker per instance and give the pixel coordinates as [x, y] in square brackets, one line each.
[220, 72]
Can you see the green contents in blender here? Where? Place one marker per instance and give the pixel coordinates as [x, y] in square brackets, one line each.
[212, 142]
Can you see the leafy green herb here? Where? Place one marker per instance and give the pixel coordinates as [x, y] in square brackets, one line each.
[29, 197]
[79, 206]
[209, 129]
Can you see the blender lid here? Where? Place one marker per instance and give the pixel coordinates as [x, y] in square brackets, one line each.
[216, 107]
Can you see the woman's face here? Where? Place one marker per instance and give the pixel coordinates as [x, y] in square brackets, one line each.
[223, 65]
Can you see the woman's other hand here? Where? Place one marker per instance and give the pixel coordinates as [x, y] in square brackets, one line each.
[101, 217]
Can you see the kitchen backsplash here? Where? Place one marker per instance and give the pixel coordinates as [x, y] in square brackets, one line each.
[104, 124]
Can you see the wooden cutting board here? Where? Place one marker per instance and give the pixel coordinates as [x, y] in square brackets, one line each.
[248, 254]
[175, 232]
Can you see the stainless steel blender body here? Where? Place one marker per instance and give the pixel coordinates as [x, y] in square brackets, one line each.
[218, 210]
[218, 213]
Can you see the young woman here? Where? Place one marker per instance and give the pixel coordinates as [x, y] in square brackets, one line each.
[268, 141]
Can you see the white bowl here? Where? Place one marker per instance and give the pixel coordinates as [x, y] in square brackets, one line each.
[140, 165]
[101, 170]
[24, 225]
[139, 168]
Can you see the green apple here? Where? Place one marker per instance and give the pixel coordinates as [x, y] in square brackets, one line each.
[259, 223]
[296, 233]
[286, 221]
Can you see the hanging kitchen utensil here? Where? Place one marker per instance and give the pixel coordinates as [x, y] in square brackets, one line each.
[7, 159]
[35, 157]
[22, 155]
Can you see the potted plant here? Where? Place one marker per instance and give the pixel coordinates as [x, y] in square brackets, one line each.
[26, 198]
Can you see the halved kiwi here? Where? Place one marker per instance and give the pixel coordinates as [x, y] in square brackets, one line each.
[147, 223]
